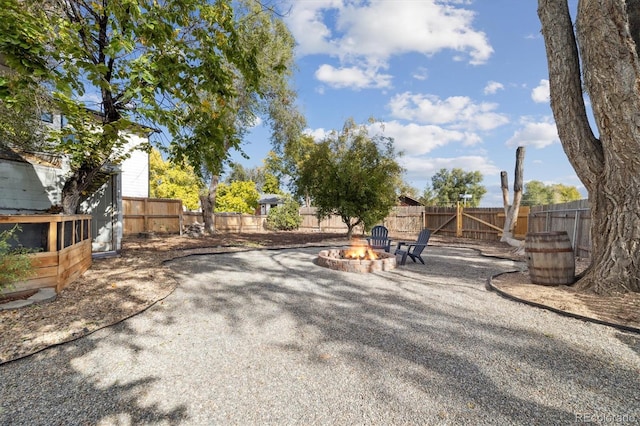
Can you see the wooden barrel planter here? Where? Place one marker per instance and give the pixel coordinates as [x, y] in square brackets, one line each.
[550, 258]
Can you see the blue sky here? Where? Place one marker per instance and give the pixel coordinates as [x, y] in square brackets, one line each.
[457, 84]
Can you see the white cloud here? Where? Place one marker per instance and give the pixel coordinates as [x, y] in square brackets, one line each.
[372, 32]
[536, 134]
[421, 74]
[492, 87]
[422, 168]
[353, 77]
[414, 139]
[317, 134]
[456, 111]
[540, 93]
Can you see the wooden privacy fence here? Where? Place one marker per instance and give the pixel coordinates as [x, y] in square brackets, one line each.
[166, 216]
[477, 223]
[151, 215]
[161, 215]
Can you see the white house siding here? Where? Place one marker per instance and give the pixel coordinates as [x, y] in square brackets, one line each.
[135, 170]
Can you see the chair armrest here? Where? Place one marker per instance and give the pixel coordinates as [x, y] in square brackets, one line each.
[416, 245]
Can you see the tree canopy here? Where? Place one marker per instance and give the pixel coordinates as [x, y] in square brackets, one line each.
[237, 197]
[198, 69]
[448, 185]
[537, 193]
[351, 174]
[168, 180]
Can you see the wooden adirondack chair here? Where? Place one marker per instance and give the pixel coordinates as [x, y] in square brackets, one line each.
[414, 249]
[379, 238]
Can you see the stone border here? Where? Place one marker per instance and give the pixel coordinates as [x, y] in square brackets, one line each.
[331, 258]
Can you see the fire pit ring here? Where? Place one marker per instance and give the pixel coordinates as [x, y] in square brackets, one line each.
[334, 259]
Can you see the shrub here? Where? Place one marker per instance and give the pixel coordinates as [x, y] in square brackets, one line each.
[15, 264]
[285, 217]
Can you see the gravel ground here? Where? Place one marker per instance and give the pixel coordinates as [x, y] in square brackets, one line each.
[268, 337]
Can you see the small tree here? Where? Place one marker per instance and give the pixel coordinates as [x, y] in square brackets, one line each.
[285, 217]
[240, 197]
[352, 175]
[448, 186]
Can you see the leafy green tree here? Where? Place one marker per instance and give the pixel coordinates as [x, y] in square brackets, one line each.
[404, 188]
[239, 173]
[285, 217]
[269, 41]
[167, 180]
[271, 184]
[199, 69]
[351, 174]
[21, 118]
[449, 185]
[428, 198]
[537, 193]
[238, 197]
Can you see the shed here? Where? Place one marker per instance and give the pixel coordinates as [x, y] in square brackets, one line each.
[268, 201]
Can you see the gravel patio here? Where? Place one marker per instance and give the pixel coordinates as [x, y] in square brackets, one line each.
[269, 337]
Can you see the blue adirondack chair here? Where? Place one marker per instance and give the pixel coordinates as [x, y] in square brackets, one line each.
[413, 249]
[379, 238]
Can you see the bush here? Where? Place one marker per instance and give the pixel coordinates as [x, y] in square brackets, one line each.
[15, 264]
[286, 217]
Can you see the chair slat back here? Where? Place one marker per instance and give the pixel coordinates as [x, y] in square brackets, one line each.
[423, 238]
[379, 232]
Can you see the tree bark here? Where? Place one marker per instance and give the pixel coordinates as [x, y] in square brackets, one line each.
[511, 217]
[75, 188]
[606, 166]
[504, 184]
[208, 202]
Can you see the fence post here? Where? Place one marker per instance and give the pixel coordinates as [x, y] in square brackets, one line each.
[575, 232]
[459, 210]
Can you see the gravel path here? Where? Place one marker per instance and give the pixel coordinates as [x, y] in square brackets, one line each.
[268, 337]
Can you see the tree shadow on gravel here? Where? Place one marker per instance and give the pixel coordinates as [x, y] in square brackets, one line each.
[50, 388]
[427, 326]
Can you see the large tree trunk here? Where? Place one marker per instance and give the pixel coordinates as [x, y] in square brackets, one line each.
[76, 186]
[607, 166]
[208, 203]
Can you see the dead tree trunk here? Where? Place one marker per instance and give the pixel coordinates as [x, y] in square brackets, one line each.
[511, 216]
[504, 184]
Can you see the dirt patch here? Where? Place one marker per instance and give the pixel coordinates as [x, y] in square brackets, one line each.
[117, 288]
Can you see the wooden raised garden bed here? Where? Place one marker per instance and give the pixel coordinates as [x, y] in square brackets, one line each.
[62, 244]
